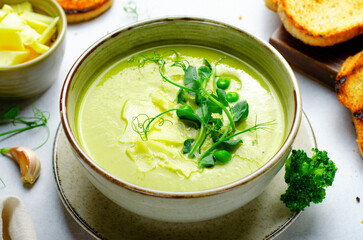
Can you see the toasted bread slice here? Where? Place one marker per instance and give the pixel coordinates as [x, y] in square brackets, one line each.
[349, 89]
[84, 10]
[358, 123]
[320, 22]
[271, 4]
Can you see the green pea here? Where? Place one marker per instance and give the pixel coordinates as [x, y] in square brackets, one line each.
[222, 156]
[223, 83]
[232, 97]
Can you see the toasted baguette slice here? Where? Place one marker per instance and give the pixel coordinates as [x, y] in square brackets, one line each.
[271, 4]
[321, 22]
[349, 89]
[84, 10]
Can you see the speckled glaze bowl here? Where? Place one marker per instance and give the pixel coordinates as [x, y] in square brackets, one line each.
[182, 206]
[31, 78]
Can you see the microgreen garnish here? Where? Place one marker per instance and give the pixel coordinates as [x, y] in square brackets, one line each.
[181, 97]
[141, 123]
[207, 161]
[2, 182]
[187, 145]
[207, 117]
[39, 118]
[240, 110]
[131, 8]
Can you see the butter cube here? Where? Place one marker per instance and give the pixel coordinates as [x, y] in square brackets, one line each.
[22, 7]
[13, 20]
[48, 33]
[10, 39]
[39, 17]
[28, 35]
[39, 48]
[37, 25]
[7, 8]
[8, 58]
[2, 14]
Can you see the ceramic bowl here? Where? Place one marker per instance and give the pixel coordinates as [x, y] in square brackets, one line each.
[34, 77]
[182, 206]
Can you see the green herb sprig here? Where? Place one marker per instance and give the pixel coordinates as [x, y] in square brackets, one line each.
[131, 8]
[3, 182]
[207, 117]
[142, 127]
[39, 119]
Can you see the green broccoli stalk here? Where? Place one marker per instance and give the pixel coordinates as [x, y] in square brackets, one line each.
[307, 178]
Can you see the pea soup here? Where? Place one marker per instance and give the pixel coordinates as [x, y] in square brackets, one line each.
[180, 118]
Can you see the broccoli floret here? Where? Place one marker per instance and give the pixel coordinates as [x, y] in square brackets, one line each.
[307, 178]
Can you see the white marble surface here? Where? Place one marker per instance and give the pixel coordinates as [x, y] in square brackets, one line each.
[338, 217]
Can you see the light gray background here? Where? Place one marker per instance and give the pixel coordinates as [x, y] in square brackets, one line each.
[339, 217]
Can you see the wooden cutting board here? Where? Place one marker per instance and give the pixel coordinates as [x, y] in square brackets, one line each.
[319, 63]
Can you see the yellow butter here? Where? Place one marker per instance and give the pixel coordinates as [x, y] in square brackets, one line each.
[24, 34]
[8, 58]
[10, 39]
[22, 7]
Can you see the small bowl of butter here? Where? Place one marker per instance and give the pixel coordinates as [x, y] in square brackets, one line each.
[32, 46]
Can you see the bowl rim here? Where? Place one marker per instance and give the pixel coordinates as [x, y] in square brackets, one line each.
[60, 37]
[89, 163]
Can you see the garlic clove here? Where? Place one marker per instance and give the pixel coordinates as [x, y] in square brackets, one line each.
[28, 162]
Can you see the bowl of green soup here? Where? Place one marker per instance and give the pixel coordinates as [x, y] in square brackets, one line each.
[32, 34]
[181, 119]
